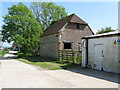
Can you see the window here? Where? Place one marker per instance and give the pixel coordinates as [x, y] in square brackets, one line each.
[57, 35]
[67, 45]
[78, 26]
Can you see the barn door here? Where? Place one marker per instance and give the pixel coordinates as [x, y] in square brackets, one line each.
[98, 57]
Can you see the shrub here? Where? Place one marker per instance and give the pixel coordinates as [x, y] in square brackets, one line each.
[20, 54]
[78, 59]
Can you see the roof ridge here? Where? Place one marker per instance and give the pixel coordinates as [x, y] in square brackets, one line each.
[71, 17]
[54, 28]
[79, 18]
[67, 17]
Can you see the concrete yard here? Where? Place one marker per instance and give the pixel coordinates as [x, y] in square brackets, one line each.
[16, 74]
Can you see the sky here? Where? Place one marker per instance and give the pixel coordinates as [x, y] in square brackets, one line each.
[97, 14]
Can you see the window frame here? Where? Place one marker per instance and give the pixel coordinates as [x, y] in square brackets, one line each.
[67, 43]
[78, 26]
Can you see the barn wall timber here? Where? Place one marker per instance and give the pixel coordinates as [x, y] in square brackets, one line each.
[49, 46]
[74, 35]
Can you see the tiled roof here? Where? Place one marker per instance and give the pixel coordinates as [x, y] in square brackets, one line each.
[54, 28]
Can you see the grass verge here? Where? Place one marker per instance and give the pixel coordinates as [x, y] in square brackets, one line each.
[48, 64]
[2, 53]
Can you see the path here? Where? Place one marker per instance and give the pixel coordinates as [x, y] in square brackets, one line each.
[16, 74]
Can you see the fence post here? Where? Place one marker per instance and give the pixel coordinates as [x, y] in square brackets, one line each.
[66, 55]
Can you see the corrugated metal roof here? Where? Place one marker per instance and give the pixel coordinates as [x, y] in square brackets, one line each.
[104, 34]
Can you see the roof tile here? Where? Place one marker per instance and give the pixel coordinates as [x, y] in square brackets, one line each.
[54, 28]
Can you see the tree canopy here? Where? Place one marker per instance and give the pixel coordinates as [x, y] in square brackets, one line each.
[21, 27]
[105, 30]
[47, 12]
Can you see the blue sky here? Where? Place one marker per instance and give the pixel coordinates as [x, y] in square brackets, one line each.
[97, 14]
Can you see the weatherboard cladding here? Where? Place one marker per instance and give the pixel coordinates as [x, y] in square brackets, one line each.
[54, 28]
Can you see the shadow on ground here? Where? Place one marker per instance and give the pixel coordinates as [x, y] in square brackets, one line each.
[113, 77]
[7, 58]
[10, 55]
[77, 69]
[73, 68]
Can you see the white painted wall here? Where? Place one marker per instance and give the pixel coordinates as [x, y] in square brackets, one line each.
[110, 59]
[83, 53]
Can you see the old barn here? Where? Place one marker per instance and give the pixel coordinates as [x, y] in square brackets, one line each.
[64, 34]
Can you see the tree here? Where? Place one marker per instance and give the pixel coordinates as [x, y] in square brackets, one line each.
[0, 40]
[47, 12]
[21, 27]
[0, 36]
[105, 30]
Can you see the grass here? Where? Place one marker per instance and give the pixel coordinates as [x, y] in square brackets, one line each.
[2, 53]
[48, 64]
[22, 55]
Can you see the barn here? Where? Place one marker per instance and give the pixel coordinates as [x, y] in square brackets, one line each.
[64, 34]
[101, 51]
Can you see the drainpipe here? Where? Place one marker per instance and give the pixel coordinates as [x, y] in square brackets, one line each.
[86, 52]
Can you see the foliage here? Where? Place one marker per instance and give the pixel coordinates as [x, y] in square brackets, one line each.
[2, 53]
[10, 48]
[105, 30]
[78, 59]
[22, 28]
[47, 12]
[22, 55]
[0, 36]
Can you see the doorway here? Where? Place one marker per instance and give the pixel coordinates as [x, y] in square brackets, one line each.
[67, 45]
[98, 57]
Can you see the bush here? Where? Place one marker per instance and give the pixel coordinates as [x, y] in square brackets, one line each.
[2, 53]
[78, 59]
[10, 48]
[20, 54]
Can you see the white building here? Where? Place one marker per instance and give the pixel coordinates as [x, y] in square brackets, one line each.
[119, 15]
[102, 52]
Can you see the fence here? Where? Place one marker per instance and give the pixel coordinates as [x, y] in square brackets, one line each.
[68, 55]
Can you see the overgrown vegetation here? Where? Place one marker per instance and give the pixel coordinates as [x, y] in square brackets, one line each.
[24, 26]
[105, 30]
[47, 12]
[21, 27]
[46, 63]
[2, 53]
[23, 55]
[78, 59]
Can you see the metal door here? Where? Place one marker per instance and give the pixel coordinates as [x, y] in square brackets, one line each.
[98, 57]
